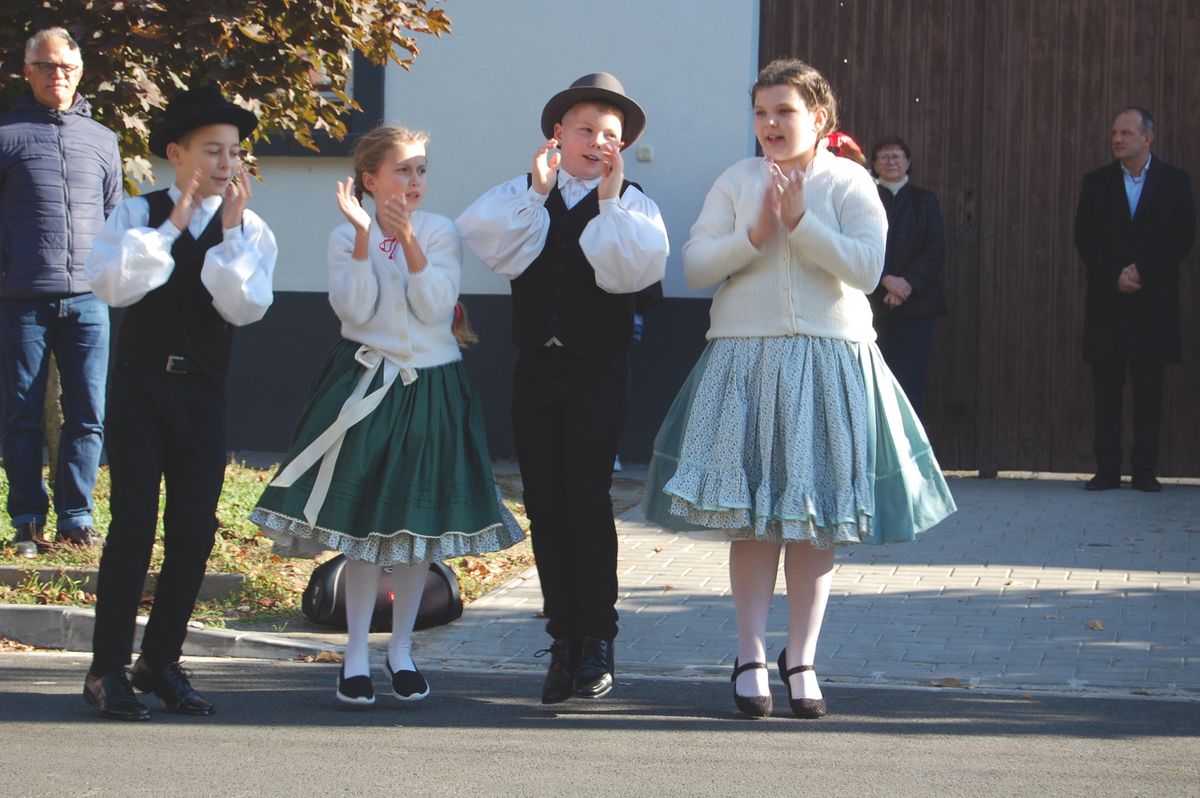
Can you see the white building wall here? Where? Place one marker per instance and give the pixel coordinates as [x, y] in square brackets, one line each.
[479, 93]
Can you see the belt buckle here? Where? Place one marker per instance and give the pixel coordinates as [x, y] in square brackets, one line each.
[176, 364]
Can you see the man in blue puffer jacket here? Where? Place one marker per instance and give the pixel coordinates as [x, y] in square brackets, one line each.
[60, 176]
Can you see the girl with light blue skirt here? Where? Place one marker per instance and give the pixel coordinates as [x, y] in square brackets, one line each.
[791, 434]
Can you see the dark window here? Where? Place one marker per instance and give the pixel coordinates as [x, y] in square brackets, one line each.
[367, 92]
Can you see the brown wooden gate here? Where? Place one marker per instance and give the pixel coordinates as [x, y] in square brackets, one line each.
[1006, 104]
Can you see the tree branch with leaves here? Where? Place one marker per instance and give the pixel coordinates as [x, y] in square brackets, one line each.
[263, 54]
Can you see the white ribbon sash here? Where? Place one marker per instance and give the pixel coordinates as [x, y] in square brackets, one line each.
[328, 444]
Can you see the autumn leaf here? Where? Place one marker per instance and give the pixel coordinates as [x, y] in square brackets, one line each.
[1096, 626]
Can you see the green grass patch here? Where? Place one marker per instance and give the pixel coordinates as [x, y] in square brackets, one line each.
[270, 597]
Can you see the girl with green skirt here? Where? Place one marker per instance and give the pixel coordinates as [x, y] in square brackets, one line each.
[389, 464]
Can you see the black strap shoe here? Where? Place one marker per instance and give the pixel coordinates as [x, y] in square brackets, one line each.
[806, 708]
[594, 676]
[113, 696]
[756, 706]
[171, 686]
[560, 676]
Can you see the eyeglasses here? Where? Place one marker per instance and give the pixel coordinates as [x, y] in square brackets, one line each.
[48, 68]
[891, 157]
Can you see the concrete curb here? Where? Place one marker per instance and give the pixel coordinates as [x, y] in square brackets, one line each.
[214, 586]
[71, 628]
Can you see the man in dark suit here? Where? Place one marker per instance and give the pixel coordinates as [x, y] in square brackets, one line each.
[1135, 223]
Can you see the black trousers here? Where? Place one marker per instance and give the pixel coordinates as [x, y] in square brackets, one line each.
[568, 410]
[905, 345]
[1108, 385]
[160, 426]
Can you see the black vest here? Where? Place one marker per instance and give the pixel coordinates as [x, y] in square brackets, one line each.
[178, 317]
[558, 296]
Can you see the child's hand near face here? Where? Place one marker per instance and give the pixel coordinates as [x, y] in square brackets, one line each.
[613, 171]
[351, 208]
[181, 214]
[394, 218]
[545, 167]
[237, 195]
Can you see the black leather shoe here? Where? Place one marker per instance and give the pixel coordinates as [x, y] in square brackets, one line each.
[1102, 482]
[407, 685]
[807, 708]
[82, 536]
[560, 675]
[29, 541]
[113, 696]
[756, 706]
[594, 676]
[1147, 484]
[171, 686]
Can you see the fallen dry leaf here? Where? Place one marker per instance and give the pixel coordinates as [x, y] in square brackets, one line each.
[948, 681]
[668, 587]
[1096, 626]
[657, 549]
[328, 656]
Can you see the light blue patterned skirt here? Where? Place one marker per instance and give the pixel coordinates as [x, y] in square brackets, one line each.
[794, 439]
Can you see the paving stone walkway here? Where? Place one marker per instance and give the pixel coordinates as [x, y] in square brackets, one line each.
[1033, 584]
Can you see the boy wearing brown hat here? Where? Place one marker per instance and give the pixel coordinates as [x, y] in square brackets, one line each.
[578, 242]
[190, 263]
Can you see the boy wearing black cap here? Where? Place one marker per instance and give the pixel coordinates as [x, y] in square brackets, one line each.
[578, 242]
[190, 262]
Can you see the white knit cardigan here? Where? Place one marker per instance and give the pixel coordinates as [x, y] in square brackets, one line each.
[812, 281]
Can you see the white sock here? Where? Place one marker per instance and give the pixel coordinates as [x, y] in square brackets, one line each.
[362, 587]
[753, 565]
[809, 575]
[408, 583]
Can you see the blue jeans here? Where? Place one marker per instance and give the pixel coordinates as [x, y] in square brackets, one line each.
[76, 330]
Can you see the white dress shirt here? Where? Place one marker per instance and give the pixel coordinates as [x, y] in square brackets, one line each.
[1134, 185]
[626, 243]
[131, 259]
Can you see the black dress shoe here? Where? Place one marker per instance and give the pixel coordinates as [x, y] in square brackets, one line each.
[355, 690]
[807, 708]
[1147, 484]
[82, 536]
[594, 676]
[407, 685]
[113, 696]
[30, 541]
[1102, 482]
[756, 706]
[560, 675]
[171, 686]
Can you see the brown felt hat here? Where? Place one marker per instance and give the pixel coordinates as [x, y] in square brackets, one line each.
[197, 107]
[596, 87]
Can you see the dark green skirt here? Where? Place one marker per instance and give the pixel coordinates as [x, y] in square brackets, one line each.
[413, 480]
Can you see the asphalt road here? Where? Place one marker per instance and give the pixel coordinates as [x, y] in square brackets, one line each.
[279, 731]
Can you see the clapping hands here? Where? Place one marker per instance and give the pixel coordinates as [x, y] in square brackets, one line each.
[782, 205]
[545, 167]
